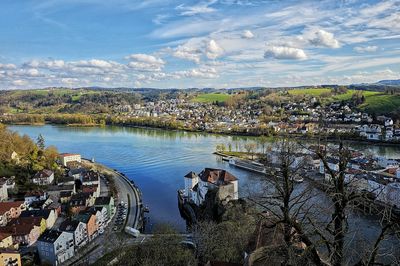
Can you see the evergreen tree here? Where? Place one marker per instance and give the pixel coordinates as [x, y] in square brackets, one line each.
[40, 142]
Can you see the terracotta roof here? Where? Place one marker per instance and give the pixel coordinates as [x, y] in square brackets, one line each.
[4, 235]
[216, 176]
[26, 220]
[17, 229]
[35, 193]
[7, 205]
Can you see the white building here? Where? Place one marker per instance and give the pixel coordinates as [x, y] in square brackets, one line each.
[197, 186]
[78, 229]
[43, 177]
[69, 157]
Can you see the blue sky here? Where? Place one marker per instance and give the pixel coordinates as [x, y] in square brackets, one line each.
[180, 44]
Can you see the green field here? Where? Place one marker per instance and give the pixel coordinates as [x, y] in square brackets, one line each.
[381, 103]
[312, 92]
[211, 97]
[347, 96]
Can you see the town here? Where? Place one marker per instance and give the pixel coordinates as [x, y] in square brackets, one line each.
[65, 215]
[306, 116]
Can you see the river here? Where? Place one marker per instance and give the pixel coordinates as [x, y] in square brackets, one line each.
[157, 160]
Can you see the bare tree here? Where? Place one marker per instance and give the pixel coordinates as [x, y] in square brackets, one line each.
[286, 206]
[250, 148]
[344, 198]
[262, 140]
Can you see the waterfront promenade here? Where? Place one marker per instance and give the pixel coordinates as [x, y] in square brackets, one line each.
[110, 240]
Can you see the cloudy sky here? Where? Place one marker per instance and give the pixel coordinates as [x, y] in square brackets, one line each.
[214, 43]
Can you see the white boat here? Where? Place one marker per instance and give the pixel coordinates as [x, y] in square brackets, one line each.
[248, 165]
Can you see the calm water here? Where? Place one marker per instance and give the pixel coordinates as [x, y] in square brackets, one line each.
[157, 160]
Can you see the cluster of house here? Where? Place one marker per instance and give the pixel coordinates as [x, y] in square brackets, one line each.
[383, 130]
[378, 175]
[57, 220]
[301, 117]
[199, 116]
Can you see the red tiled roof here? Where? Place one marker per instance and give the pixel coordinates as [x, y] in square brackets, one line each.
[4, 235]
[7, 205]
[26, 220]
[17, 229]
[216, 176]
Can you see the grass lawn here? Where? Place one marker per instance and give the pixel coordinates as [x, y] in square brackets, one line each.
[211, 97]
[347, 96]
[381, 103]
[312, 92]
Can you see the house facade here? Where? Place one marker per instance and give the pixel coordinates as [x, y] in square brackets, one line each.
[78, 229]
[90, 221]
[22, 234]
[55, 247]
[43, 177]
[106, 202]
[10, 257]
[5, 240]
[10, 210]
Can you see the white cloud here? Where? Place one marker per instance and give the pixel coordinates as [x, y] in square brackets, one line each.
[379, 8]
[201, 8]
[69, 81]
[188, 53]
[52, 64]
[365, 49]
[208, 73]
[33, 72]
[96, 63]
[213, 50]
[19, 82]
[322, 38]
[160, 19]
[144, 62]
[283, 52]
[7, 66]
[247, 34]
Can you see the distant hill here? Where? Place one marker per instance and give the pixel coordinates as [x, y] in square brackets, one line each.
[390, 82]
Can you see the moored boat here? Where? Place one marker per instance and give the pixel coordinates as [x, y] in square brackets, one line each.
[248, 165]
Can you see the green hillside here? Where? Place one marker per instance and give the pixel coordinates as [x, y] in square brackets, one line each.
[312, 92]
[381, 103]
[211, 97]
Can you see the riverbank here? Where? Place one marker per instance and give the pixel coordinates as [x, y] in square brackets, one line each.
[334, 139]
[125, 192]
[128, 193]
